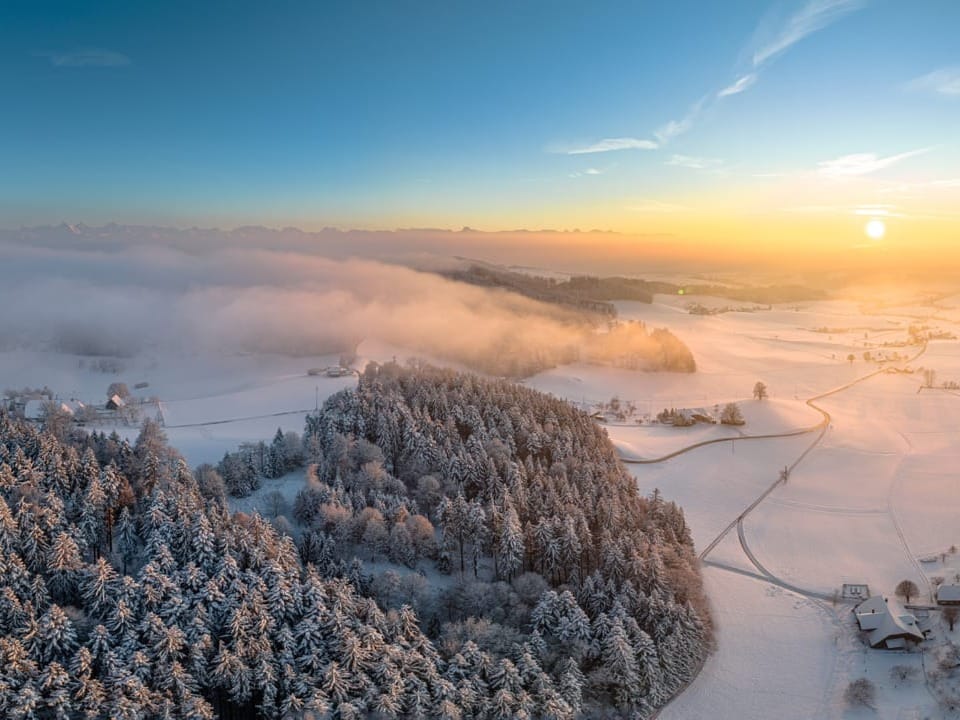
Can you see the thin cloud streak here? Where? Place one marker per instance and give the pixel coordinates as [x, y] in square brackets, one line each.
[742, 84]
[912, 187]
[864, 163]
[945, 81]
[886, 211]
[588, 171]
[675, 128]
[611, 144]
[694, 163]
[814, 16]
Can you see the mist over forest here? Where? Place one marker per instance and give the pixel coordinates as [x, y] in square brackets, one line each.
[119, 290]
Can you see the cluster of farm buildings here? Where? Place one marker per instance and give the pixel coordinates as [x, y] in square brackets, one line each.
[887, 628]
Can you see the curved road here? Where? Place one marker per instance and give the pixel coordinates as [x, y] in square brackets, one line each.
[765, 574]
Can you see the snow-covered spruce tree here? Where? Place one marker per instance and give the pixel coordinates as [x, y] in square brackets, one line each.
[527, 493]
[189, 613]
[128, 591]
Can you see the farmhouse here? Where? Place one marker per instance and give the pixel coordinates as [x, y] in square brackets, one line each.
[704, 416]
[948, 595]
[36, 409]
[115, 402]
[33, 409]
[884, 629]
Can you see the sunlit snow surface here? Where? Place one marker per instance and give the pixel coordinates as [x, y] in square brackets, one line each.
[879, 492]
[876, 495]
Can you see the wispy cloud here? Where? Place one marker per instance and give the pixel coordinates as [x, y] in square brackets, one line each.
[924, 187]
[864, 163]
[744, 82]
[945, 81]
[90, 57]
[884, 210]
[814, 16]
[610, 144]
[675, 128]
[694, 163]
[588, 171]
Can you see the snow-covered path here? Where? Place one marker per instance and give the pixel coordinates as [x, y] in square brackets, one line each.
[858, 506]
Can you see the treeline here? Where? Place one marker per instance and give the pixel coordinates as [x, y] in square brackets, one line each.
[127, 593]
[127, 589]
[527, 493]
[595, 293]
[577, 292]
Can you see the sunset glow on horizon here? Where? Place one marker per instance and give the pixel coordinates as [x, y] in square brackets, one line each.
[765, 129]
[480, 360]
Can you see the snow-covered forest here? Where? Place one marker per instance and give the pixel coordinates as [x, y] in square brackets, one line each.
[129, 590]
[530, 488]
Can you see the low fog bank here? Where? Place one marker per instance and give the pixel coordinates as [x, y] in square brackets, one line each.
[577, 252]
[105, 292]
[593, 252]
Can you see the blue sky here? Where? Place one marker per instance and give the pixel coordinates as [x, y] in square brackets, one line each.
[386, 114]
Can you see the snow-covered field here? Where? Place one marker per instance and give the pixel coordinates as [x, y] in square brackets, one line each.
[210, 404]
[878, 492]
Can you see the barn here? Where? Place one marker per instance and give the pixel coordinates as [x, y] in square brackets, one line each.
[948, 595]
[885, 629]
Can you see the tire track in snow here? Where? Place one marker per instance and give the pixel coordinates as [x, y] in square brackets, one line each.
[240, 419]
[738, 522]
[823, 425]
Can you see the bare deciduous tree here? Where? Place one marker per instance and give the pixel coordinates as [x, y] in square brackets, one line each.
[860, 693]
[275, 503]
[902, 673]
[907, 589]
[760, 391]
[950, 616]
[731, 415]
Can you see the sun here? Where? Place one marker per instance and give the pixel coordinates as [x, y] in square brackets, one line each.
[875, 229]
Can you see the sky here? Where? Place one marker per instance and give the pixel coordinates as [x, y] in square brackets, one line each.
[725, 125]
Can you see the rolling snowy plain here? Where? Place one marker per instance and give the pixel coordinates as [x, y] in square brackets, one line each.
[874, 492]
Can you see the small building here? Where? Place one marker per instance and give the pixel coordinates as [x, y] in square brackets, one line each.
[704, 416]
[855, 591]
[883, 628]
[115, 402]
[34, 409]
[948, 595]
